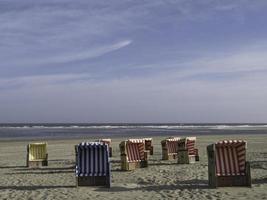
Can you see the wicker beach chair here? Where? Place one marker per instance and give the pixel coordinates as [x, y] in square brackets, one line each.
[108, 142]
[133, 154]
[227, 164]
[187, 153]
[149, 145]
[37, 155]
[169, 148]
[92, 164]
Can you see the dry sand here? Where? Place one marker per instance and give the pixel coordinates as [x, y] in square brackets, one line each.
[161, 180]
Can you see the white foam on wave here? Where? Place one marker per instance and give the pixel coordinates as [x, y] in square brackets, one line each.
[218, 127]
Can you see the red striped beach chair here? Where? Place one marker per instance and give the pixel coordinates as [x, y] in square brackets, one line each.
[92, 164]
[169, 148]
[227, 164]
[133, 154]
[187, 153]
[148, 145]
[108, 142]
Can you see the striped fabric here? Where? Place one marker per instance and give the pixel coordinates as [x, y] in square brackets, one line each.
[92, 159]
[105, 141]
[230, 157]
[135, 150]
[37, 151]
[190, 145]
[172, 144]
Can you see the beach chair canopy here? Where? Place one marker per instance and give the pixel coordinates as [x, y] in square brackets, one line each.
[135, 150]
[92, 159]
[105, 141]
[37, 151]
[189, 144]
[230, 157]
[172, 144]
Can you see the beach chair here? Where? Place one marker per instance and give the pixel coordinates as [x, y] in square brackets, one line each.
[108, 142]
[169, 148]
[92, 164]
[37, 155]
[227, 165]
[148, 145]
[187, 153]
[133, 154]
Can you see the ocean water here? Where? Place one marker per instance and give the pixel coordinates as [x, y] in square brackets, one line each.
[65, 131]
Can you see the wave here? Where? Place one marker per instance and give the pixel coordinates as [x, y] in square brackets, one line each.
[218, 127]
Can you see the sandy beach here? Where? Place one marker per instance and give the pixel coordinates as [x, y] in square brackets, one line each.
[161, 180]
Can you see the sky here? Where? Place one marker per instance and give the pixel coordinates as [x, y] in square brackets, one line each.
[133, 61]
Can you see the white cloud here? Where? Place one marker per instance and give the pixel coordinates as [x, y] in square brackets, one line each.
[69, 56]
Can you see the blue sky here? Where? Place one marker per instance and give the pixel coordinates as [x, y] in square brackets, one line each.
[133, 61]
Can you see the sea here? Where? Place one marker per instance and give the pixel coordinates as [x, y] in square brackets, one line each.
[83, 130]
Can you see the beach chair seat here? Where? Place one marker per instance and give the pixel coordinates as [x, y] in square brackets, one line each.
[133, 154]
[108, 142]
[227, 165]
[37, 155]
[148, 145]
[169, 148]
[187, 153]
[92, 164]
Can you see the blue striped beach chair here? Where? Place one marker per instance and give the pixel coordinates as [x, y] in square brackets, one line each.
[92, 164]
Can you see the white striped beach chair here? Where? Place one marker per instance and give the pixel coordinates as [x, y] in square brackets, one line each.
[133, 154]
[149, 145]
[187, 153]
[108, 142]
[227, 164]
[37, 155]
[92, 164]
[169, 148]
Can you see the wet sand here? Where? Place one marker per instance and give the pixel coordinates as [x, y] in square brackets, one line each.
[161, 180]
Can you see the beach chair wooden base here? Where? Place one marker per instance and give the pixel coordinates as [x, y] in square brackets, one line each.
[128, 166]
[93, 181]
[170, 156]
[197, 157]
[37, 164]
[110, 151]
[184, 158]
[227, 181]
[151, 151]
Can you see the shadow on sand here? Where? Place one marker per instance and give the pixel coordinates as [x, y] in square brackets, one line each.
[260, 164]
[12, 167]
[45, 168]
[259, 181]
[33, 187]
[181, 185]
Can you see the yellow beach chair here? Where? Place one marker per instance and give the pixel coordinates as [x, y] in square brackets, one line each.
[37, 155]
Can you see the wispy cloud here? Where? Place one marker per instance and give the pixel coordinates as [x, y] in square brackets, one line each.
[65, 57]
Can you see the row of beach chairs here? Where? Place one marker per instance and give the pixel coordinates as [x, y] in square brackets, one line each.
[227, 165]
